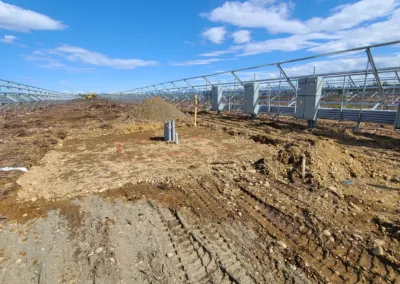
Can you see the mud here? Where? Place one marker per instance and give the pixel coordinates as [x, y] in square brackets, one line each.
[105, 200]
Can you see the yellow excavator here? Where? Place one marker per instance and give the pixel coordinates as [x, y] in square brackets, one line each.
[89, 96]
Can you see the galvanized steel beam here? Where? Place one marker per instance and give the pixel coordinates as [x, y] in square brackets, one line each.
[236, 77]
[377, 79]
[287, 78]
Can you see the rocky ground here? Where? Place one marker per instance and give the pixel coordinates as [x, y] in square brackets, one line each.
[105, 200]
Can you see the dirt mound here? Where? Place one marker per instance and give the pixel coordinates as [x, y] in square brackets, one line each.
[326, 161]
[156, 109]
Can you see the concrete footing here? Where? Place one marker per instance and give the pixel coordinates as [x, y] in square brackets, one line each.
[217, 104]
[251, 94]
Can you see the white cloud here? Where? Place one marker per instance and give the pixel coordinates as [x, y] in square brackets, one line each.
[195, 62]
[215, 53]
[74, 53]
[257, 14]
[60, 66]
[276, 16]
[188, 42]
[215, 35]
[339, 65]
[46, 61]
[232, 49]
[325, 66]
[21, 20]
[9, 39]
[322, 66]
[383, 31]
[349, 16]
[78, 54]
[241, 36]
[292, 43]
[53, 58]
[361, 23]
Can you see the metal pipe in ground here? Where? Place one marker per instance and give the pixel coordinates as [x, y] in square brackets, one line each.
[173, 130]
[195, 111]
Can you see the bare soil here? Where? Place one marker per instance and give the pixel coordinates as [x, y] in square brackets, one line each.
[105, 200]
[155, 109]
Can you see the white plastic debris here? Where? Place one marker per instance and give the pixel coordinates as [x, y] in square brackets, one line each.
[8, 169]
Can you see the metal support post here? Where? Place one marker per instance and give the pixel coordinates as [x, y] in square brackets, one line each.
[343, 95]
[173, 131]
[357, 127]
[237, 78]
[287, 78]
[352, 82]
[377, 79]
[269, 98]
[173, 84]
[397, 121]
[207, 81]
[195, 110]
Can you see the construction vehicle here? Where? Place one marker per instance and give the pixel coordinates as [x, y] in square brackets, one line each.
[89, 96]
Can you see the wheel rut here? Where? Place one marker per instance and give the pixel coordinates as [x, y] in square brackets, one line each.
[198, 262]
[333, 258]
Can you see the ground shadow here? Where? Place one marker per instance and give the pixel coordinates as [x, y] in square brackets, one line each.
[156, 138]
[384, 187]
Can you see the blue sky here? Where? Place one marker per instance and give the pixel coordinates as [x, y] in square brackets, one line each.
[114, 46]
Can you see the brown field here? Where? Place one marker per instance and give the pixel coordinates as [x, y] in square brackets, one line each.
[106, 200]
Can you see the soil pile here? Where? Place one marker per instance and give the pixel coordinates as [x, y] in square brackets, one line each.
[156, 109]
[326, 161]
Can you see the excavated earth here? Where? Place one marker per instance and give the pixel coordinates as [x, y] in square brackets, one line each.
[106, 200]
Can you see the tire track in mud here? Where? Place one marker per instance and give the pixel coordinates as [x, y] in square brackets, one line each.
[98, 267]
[281, 272]
[353, 253]
[256, 265]
[311, 202]
[198, 262]
[254, 210]
[169, 243]
[348, 256]
[225, 253]
[382, 266]
[215, 239]
[335, 259]
[314, 220]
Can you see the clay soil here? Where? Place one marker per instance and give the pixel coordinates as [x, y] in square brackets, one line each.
[106, 200]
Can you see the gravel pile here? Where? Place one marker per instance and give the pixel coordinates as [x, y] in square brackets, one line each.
[156, 109]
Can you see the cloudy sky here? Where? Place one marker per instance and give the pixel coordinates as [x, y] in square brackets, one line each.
[113, 46]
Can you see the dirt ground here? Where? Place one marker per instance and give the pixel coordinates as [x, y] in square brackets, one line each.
[106, 200]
